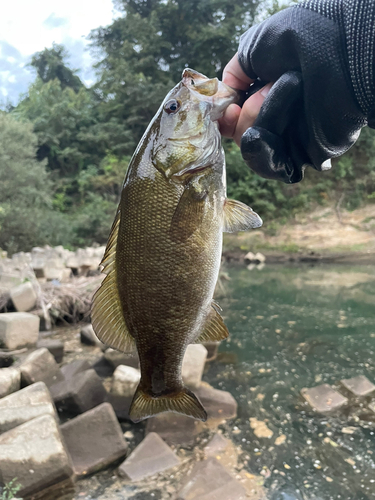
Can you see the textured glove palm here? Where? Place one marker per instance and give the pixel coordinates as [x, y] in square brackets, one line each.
[320, 56]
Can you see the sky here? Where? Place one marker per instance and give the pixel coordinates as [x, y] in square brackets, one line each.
[28, 26]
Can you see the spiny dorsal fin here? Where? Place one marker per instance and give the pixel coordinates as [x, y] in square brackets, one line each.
[185, 402]
[239, 217]
[106, 311]
[214, 329]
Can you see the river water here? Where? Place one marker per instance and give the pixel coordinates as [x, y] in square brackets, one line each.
[296, 327]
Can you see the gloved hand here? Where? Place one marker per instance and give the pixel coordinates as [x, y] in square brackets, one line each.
[320, 54]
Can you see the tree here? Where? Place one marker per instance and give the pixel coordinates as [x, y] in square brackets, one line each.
[50, 64]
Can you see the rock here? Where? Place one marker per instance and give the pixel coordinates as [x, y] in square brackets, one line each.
[323, 398]
[193, 365]
[216, 446]
[24, 405]
[259, 258]
[359, 386]
[260, 428]
[54, 269]
[372, 406]
[212, 348]
[23, 297]
[121, 406]
[71, 369]
[218, 404]
[39, 313]
[55, 347]
[6, 359]
[10, 381]
[117, 358]
[150, 457]
[249, 258]
[103, 367]
[125, 380]
[209, 480]
[80, 393]
[8, 280]
[38, 366]
[18, 329]
[94, 439]
[88, 337]
[174, 429]
[35, 454]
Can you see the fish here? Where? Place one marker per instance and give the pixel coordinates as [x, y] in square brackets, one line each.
[163, 254]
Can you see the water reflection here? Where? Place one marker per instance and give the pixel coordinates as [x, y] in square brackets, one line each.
[292, 328]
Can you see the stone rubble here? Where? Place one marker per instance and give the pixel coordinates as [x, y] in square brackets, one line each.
[40, 366]
[94, 439]
[10, 381]
[125, 381]
[150, 457]
[88, 337]
[359, 386]
[323, 398]
[55, 347]
[18, 329]
[193, 365]
[24, 297]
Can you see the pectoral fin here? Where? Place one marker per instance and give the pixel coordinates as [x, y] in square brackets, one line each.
[214, 329]
[239, 217]
[189, 213]
[106, 312]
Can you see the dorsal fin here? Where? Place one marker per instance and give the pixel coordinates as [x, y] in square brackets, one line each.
[106, 311]
[214, 329]
[239, 217]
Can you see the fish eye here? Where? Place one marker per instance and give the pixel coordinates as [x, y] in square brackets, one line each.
[172, 106]
[192, 82]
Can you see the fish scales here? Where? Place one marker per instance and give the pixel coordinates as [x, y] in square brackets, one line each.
[163, 256]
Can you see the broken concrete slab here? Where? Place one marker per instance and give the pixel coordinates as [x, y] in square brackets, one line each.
[24, 405]
[117, 358]
[209, 480]
[323, 398]
[40, 366]
[193, 365]
[94, 439]
[150, 457]
[55, 347]
[24, 297]
[80, 393]
[88, 337]
[125, 381]
[218, 404]
[359, 386]
[174, 429]
[216, 446]
[71, 369]
[18, 329]
[10, 381]
[35, 454]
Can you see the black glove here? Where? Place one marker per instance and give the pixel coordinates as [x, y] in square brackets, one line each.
[321, 56]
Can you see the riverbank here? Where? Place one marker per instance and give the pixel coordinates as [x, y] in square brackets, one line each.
[326, 235]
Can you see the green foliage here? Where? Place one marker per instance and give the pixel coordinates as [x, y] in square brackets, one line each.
[10, 490]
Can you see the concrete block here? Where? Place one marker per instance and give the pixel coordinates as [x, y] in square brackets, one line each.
[35, 454]
[150, 457]
[77, 366]
[10, 381]
[55, 347]
[54, 269]
[18, 329]
[94, 439]
[323, 398]
[193, 365]
[359, 386]
[125, 380]
[372, 406]
[79, 394]
[23, 297]
[218, 404]
[88, 337]
[212, 349]
[209, 480]
[216, 446]
[6, 359]
[38, 366]
[174, 429]
[117, 358]
[103, 367]
[121, 406]
[24, 405]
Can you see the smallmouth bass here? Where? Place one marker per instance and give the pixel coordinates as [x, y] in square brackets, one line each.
[163, 254]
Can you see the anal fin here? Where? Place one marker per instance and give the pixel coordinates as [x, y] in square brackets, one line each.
[106, 311]
[239, 217]
[214, 329]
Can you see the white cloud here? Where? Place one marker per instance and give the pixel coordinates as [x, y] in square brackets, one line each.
[27, 27]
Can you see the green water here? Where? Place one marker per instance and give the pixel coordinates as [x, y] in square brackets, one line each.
[292, 328]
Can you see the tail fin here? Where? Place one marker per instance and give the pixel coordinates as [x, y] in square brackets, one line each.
[185, 402]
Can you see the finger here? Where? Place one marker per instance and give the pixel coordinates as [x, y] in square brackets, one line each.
[229, 121]
[249, 112]
[234, 76]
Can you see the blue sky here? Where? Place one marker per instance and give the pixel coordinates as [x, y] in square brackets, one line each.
[29, 26]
